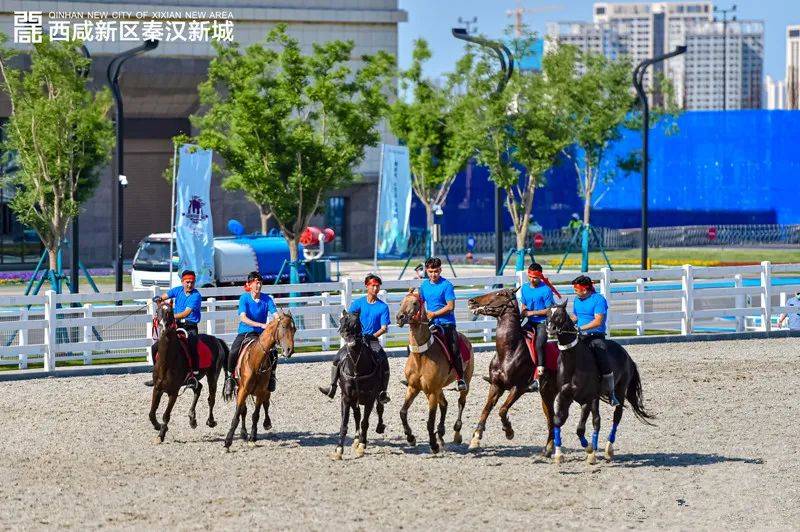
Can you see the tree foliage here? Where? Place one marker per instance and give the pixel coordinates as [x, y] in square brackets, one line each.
[58, 137]
[291, 126]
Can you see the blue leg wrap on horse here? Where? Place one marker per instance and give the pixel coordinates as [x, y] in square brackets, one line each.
[557, 436]
[595, 437]
[613, 434]
[584, 443]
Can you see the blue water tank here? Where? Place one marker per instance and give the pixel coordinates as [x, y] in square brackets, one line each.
[271, 252]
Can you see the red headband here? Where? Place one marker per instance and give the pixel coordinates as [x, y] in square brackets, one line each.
[589, 285]
[533, 274]
[372, 282]
[188, 276]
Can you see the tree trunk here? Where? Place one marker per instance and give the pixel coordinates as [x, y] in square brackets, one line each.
[522, 235]
[265, 217]
[52, 255]
[431, 251]
[294, 273]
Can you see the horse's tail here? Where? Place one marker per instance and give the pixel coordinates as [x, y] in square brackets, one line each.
[225, 353]
[635, 397]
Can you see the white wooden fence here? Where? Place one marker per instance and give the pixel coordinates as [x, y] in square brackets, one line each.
[55, 328]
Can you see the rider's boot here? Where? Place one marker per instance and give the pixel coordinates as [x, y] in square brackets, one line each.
[534, 384]
[273, 380]
[608, 380]
[148, 383]
[330, 391]
[458, 365]
[227, 389]
[383, 397]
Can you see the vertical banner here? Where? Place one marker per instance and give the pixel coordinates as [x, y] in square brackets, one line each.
[193, 225]
[392, 230]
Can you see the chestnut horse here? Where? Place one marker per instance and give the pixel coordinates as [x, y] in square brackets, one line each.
[255, 368]
[428, 370]
[511, 367]
[171, 371]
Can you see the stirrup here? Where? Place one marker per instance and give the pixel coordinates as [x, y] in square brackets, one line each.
[330, 391]
[383, 398]
[533, 386]
[461, 385]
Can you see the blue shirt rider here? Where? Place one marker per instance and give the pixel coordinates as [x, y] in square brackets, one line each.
[589, 312]
[374, 317]
[438, 295]
[536, 297]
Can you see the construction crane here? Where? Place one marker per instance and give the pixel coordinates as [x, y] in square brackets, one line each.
[519, 11]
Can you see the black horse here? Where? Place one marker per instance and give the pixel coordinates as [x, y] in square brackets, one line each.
[359, 382]
[579, 381]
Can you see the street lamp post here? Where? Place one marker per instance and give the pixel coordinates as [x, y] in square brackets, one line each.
[75, 254]
[507, 67]
[638, 83]
[725, 12]
[112, 74]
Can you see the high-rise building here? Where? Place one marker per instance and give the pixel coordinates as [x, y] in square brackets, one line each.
[774, 94]
[793, 67]
[643, 30]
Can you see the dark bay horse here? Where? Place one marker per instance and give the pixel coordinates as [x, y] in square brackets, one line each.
[428, 370]
[172, 371]
[359, 382]
[579, 381]
[511, 367]
[255, 368]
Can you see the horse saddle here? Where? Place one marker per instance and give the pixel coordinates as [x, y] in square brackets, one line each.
[551, 351]
[444, 344]
[246, 345]
[200, 359]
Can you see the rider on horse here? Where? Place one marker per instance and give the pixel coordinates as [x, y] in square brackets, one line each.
[255, 310]
[589, 311]
[439, 297]
[187, 304]
[537, 297]
[374, 317]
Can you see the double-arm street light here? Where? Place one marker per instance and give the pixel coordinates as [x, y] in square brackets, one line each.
[507, 67]
[112, 74]
[638, 83]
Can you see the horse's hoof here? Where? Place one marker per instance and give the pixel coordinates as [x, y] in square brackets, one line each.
[440, 442]
[211, 423]
[355, 443]
[380, 428]
[475, 443]
[588, 449]
[359, 450]
[457, 438]
[193, 423]
[509, 434]
[591, 458]
[609, 451]
[251, 444]
[558, 457]
[337, 454]
[412, 441]
[267, 426]
[434, 449]
[157, 440]
[548, 450]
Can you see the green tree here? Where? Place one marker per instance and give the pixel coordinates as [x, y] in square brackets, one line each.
[429, 119]
[58, 137]
[291, 126]
[526, 125]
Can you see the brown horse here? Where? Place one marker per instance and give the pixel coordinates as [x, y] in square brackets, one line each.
[255, 367]
[172, 371]
[511, 367]
[428, 370]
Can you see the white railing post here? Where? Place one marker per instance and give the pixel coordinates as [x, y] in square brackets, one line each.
[783, 299]
[382, 297]
[325, 321]
[211, 323]
[23, 338]
[487, 330]
[50, 331]
[687, 301]
[151, 310]
[87, 333]
[346, 296]
[605, 290]
[766, 294]
[522, 278]
[640, 307]
[739, 301]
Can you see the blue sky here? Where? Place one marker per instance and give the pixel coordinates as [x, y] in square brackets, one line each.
[433, 19]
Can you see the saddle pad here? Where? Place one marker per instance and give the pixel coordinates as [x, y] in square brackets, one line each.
[462, 346]
[242, 352]
[200, 360]
[551, 351]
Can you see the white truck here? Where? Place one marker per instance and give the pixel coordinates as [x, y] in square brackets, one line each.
[234, 258]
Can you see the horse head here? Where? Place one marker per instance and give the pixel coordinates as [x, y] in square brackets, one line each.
[284, 332]
[494, 303]
[165, 316]
[558, 319]
[410, 309]
[350, 327]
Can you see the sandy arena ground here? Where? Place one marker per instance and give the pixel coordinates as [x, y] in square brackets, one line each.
[78, 453]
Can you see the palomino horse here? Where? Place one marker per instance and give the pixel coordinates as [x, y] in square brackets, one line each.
[359, 382]
[511, 367]
[254, 368]
[579, 381]
[428, 370]
[172, 370]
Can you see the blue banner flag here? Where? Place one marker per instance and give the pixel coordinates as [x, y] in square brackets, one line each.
[194, 229]
[392, 230]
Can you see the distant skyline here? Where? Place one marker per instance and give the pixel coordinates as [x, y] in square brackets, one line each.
[434, 19]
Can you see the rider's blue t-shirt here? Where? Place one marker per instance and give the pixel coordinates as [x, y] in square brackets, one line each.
[436, 296]
[586, 308]
[537, 298]
[192, 300]
[373, 316]
[255, 310]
